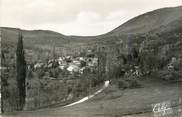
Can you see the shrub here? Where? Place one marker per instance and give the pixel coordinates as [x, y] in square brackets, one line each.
[54, 72]
[122, 84]
[169, 75]
[133, 83]
[129, 81]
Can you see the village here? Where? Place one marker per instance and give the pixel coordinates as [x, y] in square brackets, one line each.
[69, 63]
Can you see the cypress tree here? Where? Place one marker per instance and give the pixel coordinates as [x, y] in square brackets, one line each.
[21, 72]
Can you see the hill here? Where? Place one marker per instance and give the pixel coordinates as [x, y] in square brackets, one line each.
[149, 21]
[165, 19]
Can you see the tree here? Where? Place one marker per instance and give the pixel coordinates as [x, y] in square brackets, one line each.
[21, 72]
[54, 55]
[101, 54]
[4, 82]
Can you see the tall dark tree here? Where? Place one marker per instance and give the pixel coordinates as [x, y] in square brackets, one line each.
[21, 72]
[101, 54]
[4, 81]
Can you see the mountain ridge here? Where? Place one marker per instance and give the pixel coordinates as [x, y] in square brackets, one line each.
[151, 23]
[121, 26]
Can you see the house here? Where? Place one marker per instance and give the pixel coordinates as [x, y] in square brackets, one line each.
[62, 67]
[38, 65]
[73, 68]
[75, 62]
[81, 70]
[60, 60]
[81, 59]
[90, 64]
[95, 61]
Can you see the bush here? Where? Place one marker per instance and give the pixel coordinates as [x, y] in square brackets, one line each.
[54, 72]
[169, 75]
[122, 84]
[133, 83]
[127, 83]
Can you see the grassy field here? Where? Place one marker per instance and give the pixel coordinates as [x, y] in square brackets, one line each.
[114, 102]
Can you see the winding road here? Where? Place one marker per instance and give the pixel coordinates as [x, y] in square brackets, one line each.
[106, 84]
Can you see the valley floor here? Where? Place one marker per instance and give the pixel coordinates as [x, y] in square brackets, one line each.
[113, 102]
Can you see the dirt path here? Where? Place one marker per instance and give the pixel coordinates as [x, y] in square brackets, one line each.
[106, 84]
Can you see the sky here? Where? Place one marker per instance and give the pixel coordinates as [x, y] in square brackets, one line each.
[75, 17]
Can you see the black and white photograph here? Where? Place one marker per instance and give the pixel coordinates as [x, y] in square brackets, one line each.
[91, 58]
